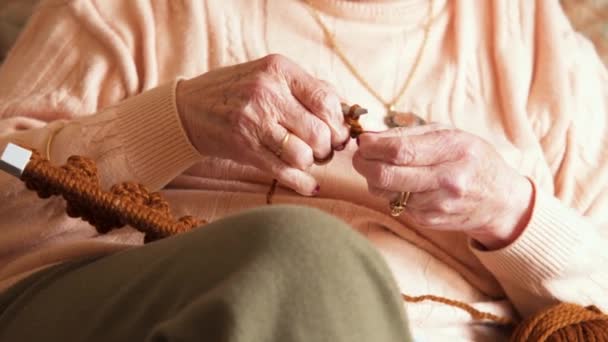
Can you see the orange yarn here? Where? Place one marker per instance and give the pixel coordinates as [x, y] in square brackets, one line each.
[562, 322]
[475, 314]
[132, 204]
[125, 203]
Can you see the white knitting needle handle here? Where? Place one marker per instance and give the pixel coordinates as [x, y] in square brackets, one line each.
[14, 159]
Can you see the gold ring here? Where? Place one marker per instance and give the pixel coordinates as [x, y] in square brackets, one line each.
[398, 206]
[283, 143]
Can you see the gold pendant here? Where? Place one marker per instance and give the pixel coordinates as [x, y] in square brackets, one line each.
[395, 118]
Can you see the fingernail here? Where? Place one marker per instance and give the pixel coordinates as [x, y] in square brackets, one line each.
[316, 191]
[357, 141]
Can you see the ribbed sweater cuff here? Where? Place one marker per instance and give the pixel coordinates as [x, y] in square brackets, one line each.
[555, 237]
[155, 143]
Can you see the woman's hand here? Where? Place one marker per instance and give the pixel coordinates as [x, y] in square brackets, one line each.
[457, 181]
[243, 112]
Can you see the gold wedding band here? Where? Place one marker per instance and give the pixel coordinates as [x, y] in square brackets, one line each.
[283, 144]
[398, 206]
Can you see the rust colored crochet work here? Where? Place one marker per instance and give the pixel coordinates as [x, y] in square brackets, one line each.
[125, 204]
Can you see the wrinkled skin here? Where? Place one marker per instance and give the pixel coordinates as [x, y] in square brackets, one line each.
[457, 181]
[243, 113]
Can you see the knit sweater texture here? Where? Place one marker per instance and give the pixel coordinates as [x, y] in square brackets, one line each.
[102, 75]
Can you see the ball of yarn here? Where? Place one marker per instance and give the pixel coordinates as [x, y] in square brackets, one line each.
[564, 322]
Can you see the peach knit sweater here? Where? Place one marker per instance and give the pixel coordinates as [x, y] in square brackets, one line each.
[102, 73]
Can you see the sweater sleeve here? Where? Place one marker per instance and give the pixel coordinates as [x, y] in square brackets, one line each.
[73, 75]
[70, 74]
[562, 254]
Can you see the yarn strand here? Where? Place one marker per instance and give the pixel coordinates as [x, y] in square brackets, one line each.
[475, 314]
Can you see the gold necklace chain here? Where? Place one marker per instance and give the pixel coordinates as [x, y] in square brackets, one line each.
[331, 41]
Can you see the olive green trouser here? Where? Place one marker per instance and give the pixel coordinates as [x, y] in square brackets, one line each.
[269, 274]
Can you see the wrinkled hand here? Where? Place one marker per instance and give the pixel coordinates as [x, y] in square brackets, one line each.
[243, 112]
[457, 181]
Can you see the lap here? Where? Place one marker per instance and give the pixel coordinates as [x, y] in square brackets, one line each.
[243, 262]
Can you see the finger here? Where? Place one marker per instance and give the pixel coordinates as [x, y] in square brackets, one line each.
[309, 128]
[298, 180]
[420, 210]
[426, 149]
[416, 200]
[430, 201]
[386, 194]
[343, 101]
[319, 98]
[273, 138]
[287, 146]
[297, 153]
[326, 106]
[390, 196]
[432, 219]
[414, 130]
[421, 215]
[326, 103]
[440, 201]
[397, 178]
[425, 201]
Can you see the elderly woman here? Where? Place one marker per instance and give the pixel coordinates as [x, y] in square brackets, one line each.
[505, 192]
